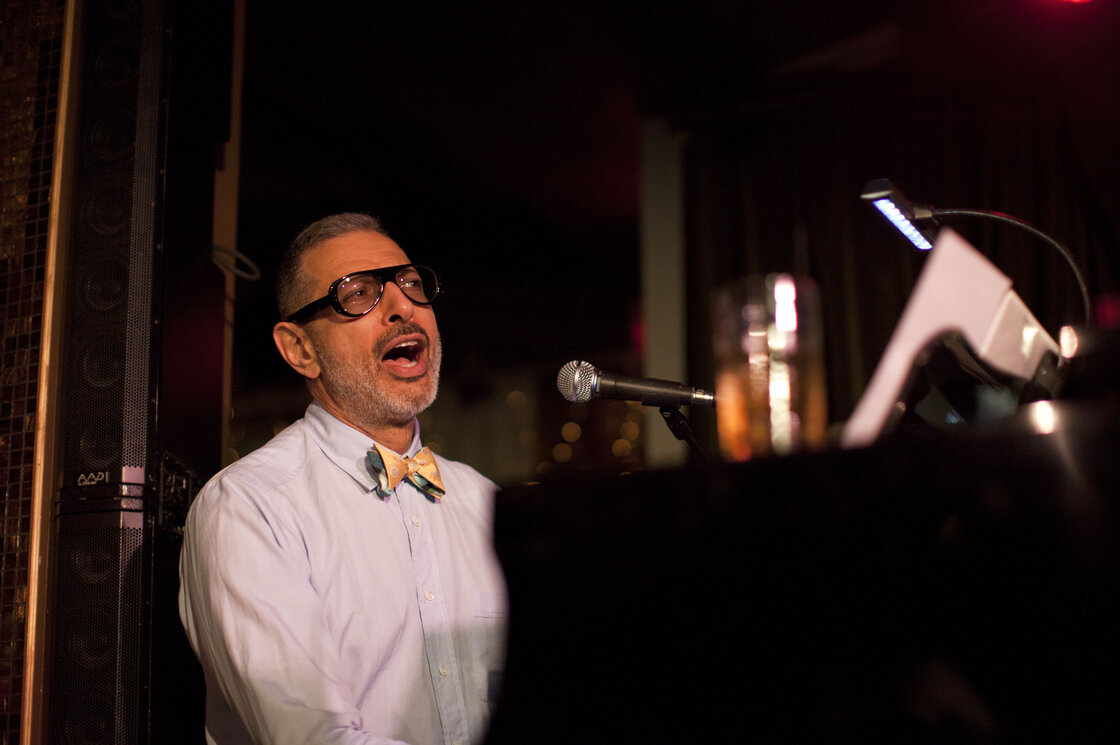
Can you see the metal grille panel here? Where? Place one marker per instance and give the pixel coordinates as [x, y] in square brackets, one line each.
[30, 70]
[109, 385]
[102, 623]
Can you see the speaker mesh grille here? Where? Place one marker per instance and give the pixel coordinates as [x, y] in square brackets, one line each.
[110, 373]
[102, 630]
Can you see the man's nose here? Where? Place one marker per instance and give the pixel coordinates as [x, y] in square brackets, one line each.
[397, 306]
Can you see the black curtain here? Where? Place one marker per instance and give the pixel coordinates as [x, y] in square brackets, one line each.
[978, 111]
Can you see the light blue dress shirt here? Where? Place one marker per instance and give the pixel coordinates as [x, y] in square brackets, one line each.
[324, 614]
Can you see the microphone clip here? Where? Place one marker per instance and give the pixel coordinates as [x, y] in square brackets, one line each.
[679, 425]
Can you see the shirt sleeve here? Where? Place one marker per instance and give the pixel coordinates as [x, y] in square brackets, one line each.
[257, 626]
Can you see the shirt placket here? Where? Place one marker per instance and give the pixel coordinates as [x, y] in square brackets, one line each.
[435, 616]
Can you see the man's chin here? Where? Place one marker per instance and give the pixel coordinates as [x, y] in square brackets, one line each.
[409, 396]
[389, 402]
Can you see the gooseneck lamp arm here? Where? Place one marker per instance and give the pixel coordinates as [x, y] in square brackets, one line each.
[1010, 220]
[918, 222]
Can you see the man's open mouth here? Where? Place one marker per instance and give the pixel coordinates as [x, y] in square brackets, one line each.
[406, 353]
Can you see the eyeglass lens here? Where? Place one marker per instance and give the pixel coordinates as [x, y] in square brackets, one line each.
[360, 292]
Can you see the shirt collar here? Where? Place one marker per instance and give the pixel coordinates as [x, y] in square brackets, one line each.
[345, 446]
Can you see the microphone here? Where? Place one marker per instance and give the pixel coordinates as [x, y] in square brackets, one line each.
[579, 381]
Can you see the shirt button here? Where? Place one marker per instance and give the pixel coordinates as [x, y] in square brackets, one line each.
[443, 671]
[428, 594]
[416, 521]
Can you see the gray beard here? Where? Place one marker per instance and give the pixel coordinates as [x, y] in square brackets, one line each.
[366, 404]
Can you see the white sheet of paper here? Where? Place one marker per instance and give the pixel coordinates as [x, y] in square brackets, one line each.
[957, 290]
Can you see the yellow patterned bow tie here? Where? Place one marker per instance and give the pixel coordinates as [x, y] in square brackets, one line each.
[391, 469]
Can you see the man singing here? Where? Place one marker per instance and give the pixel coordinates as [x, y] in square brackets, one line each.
[339, 584]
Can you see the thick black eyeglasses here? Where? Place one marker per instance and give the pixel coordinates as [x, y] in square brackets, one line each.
[356, 294]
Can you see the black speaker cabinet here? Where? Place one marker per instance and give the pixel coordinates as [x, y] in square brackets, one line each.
[117, 240]
[138, 436]
[153, 106]
[103, 628]
[124, 673]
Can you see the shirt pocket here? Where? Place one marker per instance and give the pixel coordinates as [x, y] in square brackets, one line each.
[488, 642]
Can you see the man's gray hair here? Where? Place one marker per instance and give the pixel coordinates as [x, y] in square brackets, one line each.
[291, 282]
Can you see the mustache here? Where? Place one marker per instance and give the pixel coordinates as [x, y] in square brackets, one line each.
[391, 336]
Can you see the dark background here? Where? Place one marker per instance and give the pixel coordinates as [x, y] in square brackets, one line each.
[500, 141]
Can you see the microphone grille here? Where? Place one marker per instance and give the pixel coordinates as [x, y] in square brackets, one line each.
[575, 380]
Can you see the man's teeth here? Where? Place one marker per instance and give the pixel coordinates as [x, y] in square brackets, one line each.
[402, 353]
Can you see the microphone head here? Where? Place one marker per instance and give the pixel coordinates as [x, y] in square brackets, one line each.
[575, 381]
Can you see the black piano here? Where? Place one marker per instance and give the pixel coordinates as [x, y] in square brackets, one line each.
[934, 588]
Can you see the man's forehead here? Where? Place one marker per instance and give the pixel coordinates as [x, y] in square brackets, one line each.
[354, 252]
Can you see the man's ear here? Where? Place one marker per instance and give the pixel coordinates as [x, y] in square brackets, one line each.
[296, 348]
